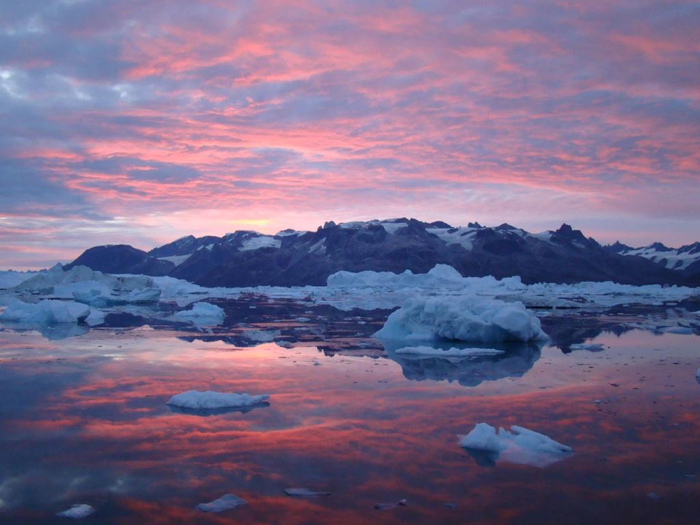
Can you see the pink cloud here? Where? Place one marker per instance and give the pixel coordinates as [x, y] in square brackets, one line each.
[354, 109]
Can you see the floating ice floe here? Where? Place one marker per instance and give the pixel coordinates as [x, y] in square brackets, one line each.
[44, 312]
[195, 400]
[371, 290]
[520, 445]
[304, 493]
[261, 336]
[391, 505]
[78, 511]
[225, 502]
[679, 330]
[471, 319]
[591, 347]
[427, 351]
[201, 314]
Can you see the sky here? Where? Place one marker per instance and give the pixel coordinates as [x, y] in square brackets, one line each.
[138, 122]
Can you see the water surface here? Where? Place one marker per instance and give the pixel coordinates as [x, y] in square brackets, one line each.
[84, 420]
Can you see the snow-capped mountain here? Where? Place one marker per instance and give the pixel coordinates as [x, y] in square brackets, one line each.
[685, 259]
[672, 258]
[291, 258]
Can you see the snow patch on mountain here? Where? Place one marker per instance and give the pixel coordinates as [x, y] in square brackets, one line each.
[391, 226]
[671, 258]
[177, 260]
[458, 236]
[318, 248]
[256, 243]
[290, 233]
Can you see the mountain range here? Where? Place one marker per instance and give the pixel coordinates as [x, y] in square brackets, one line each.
[685, 259]
[297, 258]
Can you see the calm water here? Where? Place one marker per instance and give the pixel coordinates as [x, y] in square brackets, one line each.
[83, 420]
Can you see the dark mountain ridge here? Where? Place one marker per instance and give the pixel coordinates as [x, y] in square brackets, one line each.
[293, 258]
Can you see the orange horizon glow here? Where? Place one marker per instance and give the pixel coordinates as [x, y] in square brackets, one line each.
[138, 126]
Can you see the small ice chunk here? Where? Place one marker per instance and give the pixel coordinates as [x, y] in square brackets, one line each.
[519, 445]
[225, 502]
[261, 336]
[193, 399]
[304, 493]
[201, 313]
[392, 505]
[484, 437]
[96, 317]
[679, 330]
[77, 511]
[591, 347]
[428, 351]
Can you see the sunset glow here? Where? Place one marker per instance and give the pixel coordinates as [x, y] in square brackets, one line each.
[132, 122]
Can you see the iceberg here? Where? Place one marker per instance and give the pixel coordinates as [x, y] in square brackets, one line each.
[472, 319]
[193, 399]
[173, 288]
[379, 290]
[225, 502]
[440, 275]
[44, 282]
[201, 314]
[91, 287]
[48, 311]
[520, 446]
[77, 511]
[10, 278]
